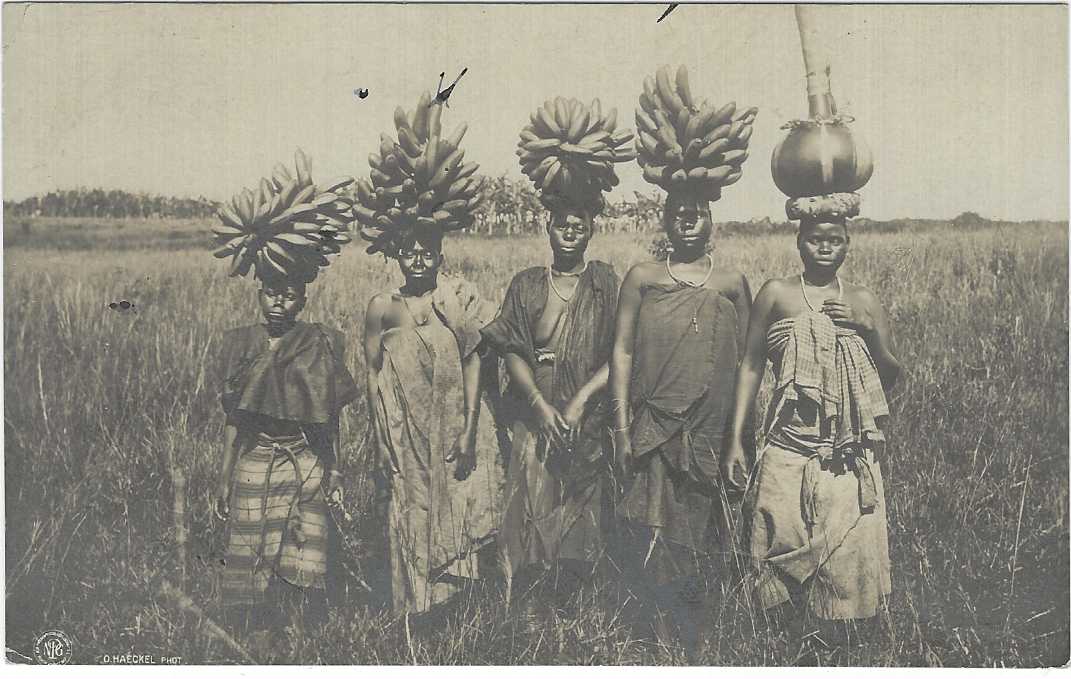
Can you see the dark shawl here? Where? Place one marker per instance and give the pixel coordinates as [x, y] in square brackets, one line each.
[586, 338]
[302, 379]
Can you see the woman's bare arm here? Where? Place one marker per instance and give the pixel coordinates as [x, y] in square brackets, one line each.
[466, 445]
[520, 375]
[620, 368]
[373, 346]
[880, 341]
[594, 385]
[226, 469]
[472, 373]
[749, 376]
[373, 360]
[742, 302]
[331, 444]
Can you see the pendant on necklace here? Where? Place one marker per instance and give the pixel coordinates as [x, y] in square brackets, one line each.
[695, 324]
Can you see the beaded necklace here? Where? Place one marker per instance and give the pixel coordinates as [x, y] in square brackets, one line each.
[803, 287]
[553, 285]
[690, 284]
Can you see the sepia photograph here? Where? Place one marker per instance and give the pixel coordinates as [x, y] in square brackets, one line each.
[536, 334]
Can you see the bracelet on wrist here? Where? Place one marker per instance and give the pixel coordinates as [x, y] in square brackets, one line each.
[536, 397]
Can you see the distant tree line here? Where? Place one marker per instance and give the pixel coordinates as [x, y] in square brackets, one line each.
[512, 207]
[83, 202]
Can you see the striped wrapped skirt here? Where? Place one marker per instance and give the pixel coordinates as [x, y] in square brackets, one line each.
[278, 526]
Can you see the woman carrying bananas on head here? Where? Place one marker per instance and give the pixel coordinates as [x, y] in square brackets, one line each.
[438, 465]
[285, 382]
[680, 326]
[554, 332]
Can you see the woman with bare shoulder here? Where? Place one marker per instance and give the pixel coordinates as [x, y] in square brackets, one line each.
[554, 333]
[815, 508]
[680, 325]
[439, 467]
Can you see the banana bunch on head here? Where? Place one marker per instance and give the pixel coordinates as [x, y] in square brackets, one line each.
[685, 146]
[419, 181]
[569, 148]
[287, 227]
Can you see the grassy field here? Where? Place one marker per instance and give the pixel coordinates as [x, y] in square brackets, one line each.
[101, 405]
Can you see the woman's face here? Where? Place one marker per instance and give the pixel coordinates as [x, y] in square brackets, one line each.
[687, 222]
[570, 232]
[822, 245]
[420, 258]
[281, 302]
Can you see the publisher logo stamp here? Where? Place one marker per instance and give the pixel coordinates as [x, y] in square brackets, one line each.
[52, 648]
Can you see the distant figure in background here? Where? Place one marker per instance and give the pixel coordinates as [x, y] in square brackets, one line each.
[815, 508]
[554, 333]
[439, 469]
[680, 327]
[285, 382]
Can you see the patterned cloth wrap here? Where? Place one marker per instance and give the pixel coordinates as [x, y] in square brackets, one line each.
[279, 526]
[831, 366]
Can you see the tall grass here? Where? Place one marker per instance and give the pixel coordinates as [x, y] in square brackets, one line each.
[102, 405]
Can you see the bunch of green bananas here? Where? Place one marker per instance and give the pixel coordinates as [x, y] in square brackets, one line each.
[567, 144]
[287, 226]
[682, 145]
[419, 181]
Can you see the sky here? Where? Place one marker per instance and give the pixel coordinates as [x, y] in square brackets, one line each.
[965, 107]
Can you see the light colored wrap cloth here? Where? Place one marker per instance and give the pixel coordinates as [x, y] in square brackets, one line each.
[815, 508]
[437, 522]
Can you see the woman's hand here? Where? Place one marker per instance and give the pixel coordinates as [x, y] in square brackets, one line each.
[845, 314]
[463, 452]
[734, 466]
[222, 506]
[572, 415]
[332, 484]
[552, 425]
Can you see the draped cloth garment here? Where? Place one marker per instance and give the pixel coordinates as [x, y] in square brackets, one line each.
[302, 379]
[684, 369]
[554, 497]
[436, 522]
[278, 529]
[815, 508]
